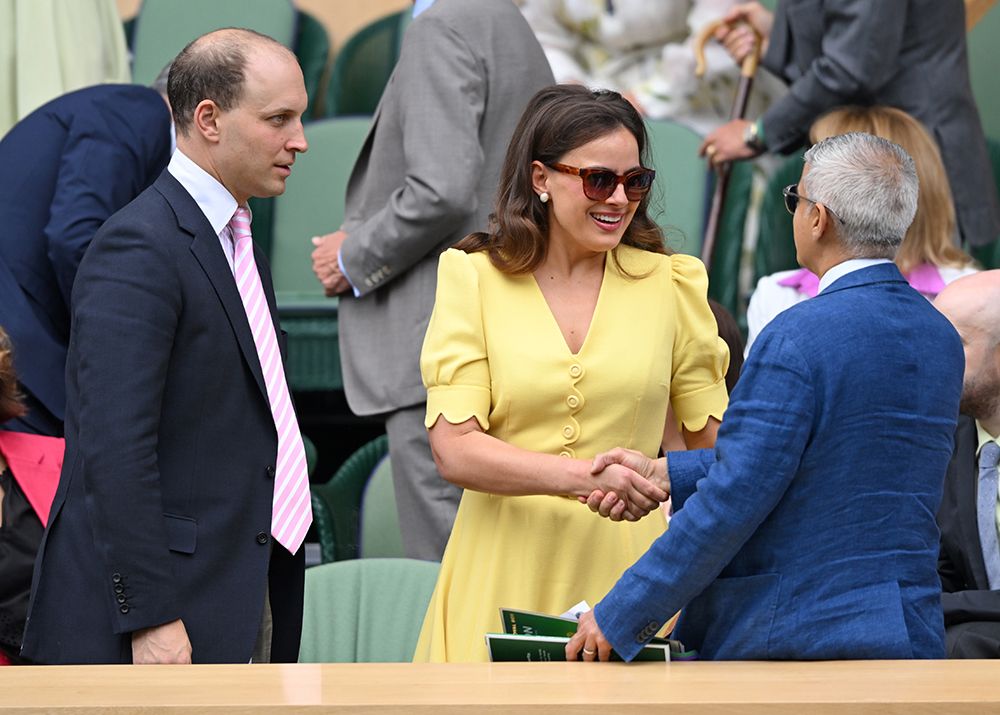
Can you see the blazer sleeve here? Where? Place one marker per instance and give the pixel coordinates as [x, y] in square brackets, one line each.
[859, 46]
[126, 307]
[99, 172]
[454, 363]
[719, 502]
[441, 85]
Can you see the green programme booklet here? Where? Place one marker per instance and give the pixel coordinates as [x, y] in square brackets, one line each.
[534, 637]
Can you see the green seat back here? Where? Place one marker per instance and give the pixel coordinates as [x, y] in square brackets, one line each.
[312, 205]
[312, 47]
[365, 610]
[363, 66]
[380, 534]
[775, 242]
[989, 255]
[678, 201]
[163, 27]
[342, 495]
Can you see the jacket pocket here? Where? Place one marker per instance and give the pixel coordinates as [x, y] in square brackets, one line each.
[182, 533]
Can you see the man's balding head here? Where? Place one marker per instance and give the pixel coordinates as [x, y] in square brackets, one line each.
[972, 304]
[213, 67]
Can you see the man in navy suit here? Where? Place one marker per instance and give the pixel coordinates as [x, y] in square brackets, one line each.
[159, 547]
[809, 533]
[969, 517]
[64, 169]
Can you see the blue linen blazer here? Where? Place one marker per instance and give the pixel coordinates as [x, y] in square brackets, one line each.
[809, 532]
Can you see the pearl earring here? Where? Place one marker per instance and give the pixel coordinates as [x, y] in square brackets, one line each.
[544, 197]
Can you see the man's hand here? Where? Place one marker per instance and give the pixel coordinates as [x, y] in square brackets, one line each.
[325, 263]
[588, 641]
[168, 643]
[625, 492]
[609, 504]
[737, 38]
[726, 143]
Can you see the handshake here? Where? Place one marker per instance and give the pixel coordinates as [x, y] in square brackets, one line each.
[627, 485]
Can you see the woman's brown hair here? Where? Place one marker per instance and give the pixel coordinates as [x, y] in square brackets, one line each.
[557, 120]
[931, 236]
[11, 404]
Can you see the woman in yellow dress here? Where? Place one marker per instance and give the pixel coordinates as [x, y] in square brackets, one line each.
[564, 331]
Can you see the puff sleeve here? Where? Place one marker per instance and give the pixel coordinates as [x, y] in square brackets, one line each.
[453, 362]
[700, 358]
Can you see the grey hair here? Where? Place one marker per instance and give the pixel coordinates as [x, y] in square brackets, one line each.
[870, 184]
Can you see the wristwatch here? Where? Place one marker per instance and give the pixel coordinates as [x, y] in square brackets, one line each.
[752, 137]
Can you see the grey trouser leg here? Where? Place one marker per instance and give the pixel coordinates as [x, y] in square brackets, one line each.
[426, 502]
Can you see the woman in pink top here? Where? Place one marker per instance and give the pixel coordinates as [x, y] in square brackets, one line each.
[29, 473]
[929, 256]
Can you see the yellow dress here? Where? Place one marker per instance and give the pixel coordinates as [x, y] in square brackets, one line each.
[493, 350]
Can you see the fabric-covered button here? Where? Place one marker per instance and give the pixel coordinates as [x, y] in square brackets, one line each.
[568, 431]
[575, 370]
[573, 401]
[261, 537]
[564, 453]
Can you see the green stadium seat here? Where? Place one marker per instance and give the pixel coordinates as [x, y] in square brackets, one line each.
[363, 66]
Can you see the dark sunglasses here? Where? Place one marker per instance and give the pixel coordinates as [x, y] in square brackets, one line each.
[792, 199]
[600, 184]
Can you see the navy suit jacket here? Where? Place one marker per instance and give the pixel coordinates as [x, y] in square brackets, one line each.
[163, 509]
[64, 169]
[809, 532]
[966, 590]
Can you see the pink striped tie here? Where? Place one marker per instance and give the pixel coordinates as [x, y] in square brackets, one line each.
[291, 510]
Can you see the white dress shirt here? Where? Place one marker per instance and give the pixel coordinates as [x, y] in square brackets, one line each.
[212, 198]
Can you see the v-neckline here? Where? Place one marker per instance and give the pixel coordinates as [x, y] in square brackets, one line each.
[593, 315]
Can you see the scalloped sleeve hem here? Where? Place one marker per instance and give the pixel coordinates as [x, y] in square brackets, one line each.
[457, 404]
[694, 408]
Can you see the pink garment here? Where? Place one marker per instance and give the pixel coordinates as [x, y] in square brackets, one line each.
[925, 278]
[35, 461]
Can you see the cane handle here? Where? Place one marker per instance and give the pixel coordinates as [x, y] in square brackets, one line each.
[749, 66]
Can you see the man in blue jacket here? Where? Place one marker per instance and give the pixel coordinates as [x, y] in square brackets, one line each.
[809, 532]
[64, 169]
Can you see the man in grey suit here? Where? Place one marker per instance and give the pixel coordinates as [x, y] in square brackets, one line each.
[909, 54]
[425, 178]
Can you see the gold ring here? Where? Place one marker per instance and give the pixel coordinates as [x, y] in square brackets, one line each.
[587, 651]
[710, 150]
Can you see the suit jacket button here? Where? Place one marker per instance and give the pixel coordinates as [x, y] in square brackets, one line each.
[262, 537]
[116, 578]
[121, 598]
[123, 608]
[269, 471]
[119, 588]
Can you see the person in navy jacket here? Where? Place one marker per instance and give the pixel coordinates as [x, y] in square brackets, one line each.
[64, 169]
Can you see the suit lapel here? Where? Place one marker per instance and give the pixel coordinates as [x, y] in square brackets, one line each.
[207, 251]
[966, 442]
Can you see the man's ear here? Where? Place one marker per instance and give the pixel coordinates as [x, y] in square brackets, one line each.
[539, 177]
[820, 221]
[206, 119]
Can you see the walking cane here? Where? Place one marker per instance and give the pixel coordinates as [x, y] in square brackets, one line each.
[747, 71]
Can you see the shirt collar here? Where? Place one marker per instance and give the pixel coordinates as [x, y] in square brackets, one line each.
[420, 5]
[849, 266]
[984, 437]
[212, 198]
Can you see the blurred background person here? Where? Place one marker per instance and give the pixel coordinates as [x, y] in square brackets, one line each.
[644, 50]
[969, 517]
[64, 169]
[909, 54]
[29, 474]
[563, 330]
[928, 256]
[50, 47]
